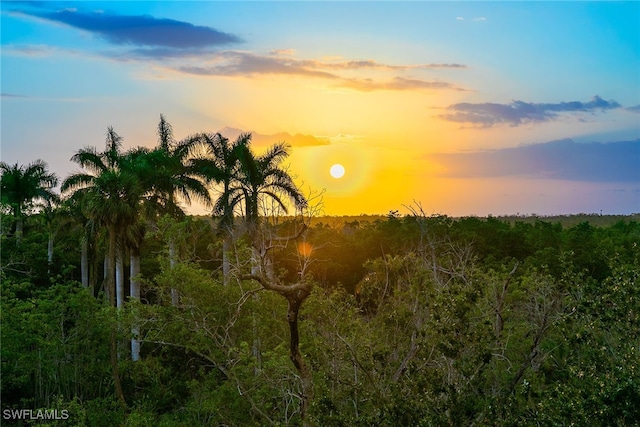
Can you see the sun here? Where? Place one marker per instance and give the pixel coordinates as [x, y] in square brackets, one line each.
[337, 171]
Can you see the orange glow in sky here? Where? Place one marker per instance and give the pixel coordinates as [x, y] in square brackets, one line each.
[468, 108]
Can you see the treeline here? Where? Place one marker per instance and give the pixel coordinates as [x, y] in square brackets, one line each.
[250, 317]
[413, 321]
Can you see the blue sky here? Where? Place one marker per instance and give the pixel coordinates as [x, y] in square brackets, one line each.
[470, 108]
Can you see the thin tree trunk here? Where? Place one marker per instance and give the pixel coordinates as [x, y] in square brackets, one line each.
[115, 372]
[94, 269]
[19, 228]
[295, 296]
[84, 262]
[134, 284]
[110, 285]
[107, 267]
[256, 349]
[50, 252]
[119, 278]
[134, 270]
[306, 378]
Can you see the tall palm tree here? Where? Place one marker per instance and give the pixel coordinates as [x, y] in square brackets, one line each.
[171, 178]
[262, 177]
[108, 191]
[21, 186]
[74, 210]
[51, 213]
[130, 239]
[221, 164]
[136, 162]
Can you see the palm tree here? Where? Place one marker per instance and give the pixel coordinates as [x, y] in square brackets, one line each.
[171, 177]
[50, 213]
[221, 164]
[21, 186]
[108, 192]
[136, 162]
[260, 178]
[74, 210]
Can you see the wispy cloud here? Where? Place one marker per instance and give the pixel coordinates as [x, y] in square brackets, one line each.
[141, 30]
[13, 95]
[297, 140]
[634, 108]
[374, 65]
[233, 63]
[397, 84]
[190, 49]
[30, 50]
[565, 159]
[476, 19]
[520, 112]
[286, 52]
[247, 64]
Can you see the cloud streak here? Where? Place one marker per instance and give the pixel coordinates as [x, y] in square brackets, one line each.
[520, 112]
[297, 140]
[232, 63]
[13, 95]
[195, 50]
[396, 84]
[564, 159]
[142, 30]
[247, 64]
[374, 65]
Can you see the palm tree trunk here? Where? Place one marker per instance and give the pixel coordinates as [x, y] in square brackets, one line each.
[134, 270]
[84, 262]
[109, 265]
[134, 289]
[107, 291]
[19, 228]
[119, 278]
[110, 285]
[50, 252]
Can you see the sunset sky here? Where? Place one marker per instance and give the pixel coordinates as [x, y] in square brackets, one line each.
[468, 108]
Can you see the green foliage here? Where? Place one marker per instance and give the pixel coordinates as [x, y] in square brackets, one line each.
[22, 186]
[53, 344]
[415, 321]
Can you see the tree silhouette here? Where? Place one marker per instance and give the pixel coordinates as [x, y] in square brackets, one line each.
[21, 186]
[262, 179]
[170, 177]
[109, 193]
[220, 164]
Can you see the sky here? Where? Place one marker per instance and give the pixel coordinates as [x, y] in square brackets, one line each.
[463, 108]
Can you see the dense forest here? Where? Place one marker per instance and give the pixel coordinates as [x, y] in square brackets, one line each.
[119, 309]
